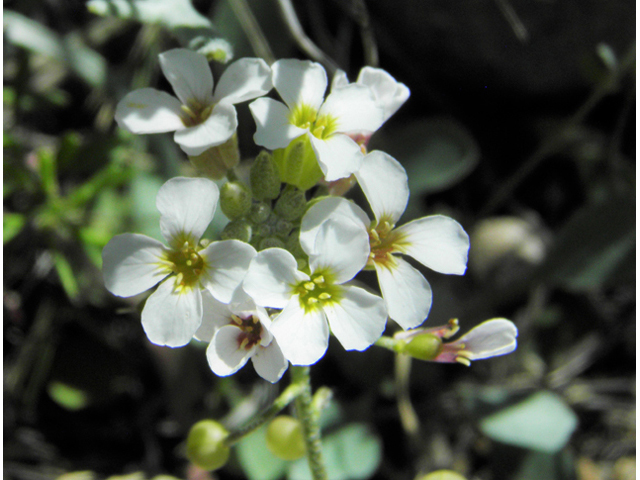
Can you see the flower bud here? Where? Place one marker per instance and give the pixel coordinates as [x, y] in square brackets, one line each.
[235, 200]
[264, 177]
[259, 212]
[271, 242]
[206, 445]
[424, 346]
[297, 164]
[216, 161]
[291, 205]
[237, 230]
[285, 439]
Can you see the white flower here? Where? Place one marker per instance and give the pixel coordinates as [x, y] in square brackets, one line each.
[133, 263]
[238, 332]
[437, 242]
[356, 317]
[302, 85]
[200, 117]
[389, 94]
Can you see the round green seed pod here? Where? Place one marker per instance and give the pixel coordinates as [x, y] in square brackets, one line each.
[206, 445]
[235, 200]
[285, 439]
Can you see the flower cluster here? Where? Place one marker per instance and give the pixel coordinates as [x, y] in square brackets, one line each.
[281, 279]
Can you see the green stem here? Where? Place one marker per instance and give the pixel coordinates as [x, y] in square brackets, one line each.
[285, 398]
[389, 343]
[310, 425]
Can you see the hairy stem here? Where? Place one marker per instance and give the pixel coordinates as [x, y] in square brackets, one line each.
[310, 426]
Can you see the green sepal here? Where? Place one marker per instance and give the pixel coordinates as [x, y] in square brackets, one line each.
[297, 164]
[235, 200]
[264, 177]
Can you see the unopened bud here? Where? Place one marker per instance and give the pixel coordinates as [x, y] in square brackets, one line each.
[235, 200]
[424, 346]
[206, 445]
[291, 205]
[264, 177]
[285, 438]
[216, 161]
[237, 230]
[259, 212]
[297, 164]
[271, 242]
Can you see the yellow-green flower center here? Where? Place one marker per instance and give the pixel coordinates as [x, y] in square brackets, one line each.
[384, 241]
[305, 116]
[187, 265]
[318, 291]
[251, 331]
[194, 113]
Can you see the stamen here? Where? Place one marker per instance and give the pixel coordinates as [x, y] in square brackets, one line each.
[236, 319]
[309, 286]
[180, 279]
[244, 343]
[255, 319]
[463, 361]
[312, 301]
[319, 280]
[324, 296]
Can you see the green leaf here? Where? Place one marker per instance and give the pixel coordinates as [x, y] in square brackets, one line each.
[191, 28]
[593, 245]
[353, 452]
[144, 189]
[258, 463]
[12, 224]
[67, 278]
[441, 475]
[67, 396]
[542, 422]
[437, 153]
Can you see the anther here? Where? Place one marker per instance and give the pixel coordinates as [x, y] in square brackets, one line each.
[312, 300]
[324, 296]
[309, 286]
[180, 279]
[319, 280]
[236, 319]
[244, 343]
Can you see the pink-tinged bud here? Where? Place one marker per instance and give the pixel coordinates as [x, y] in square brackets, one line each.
[489, 339]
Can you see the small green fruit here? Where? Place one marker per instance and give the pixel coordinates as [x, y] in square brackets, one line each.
[425, 346]
[206, 445]
[285, 439]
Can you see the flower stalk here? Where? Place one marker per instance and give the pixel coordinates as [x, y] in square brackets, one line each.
[310, 426]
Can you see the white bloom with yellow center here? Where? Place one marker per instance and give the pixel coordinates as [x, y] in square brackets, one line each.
[200, 117]
[238, 332]
[302, 85]
[133, 263]
[436, 241]
[311, 303]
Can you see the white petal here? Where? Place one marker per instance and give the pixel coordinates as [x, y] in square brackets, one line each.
[149, 111]
[273, 128]
[170, 318]
[438, 242]
[389, 93]
[354, 108]
[226, 265]
[406, 293]
[384, 182]
[339, 80]
[300, 82]
[243, 80]
[269, 362]
[224, 354]
[303, 337]
[131, 264]
[215, 315]
[341, 248]
[189, 74]
[270, 277]
[338, 155]
[358, 319]
[489, 339]
[214, 131]
[186, 207]
[330, 207]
